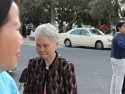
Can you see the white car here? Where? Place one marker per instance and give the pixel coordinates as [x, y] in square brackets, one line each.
[90, 37]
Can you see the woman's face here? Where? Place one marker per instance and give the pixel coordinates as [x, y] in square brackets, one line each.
[10, 40]
[45, 46]
[122, 29]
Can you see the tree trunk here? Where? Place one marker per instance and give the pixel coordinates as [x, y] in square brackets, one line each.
[69, 26]
[53, 14]
[99, 24]
[21, 14]
[109, 23]
[116, 7]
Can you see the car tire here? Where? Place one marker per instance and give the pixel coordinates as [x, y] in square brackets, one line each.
[99, 45]
[68, 43]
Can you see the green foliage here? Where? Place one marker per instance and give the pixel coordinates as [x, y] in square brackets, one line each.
[33, 28]
[100, 8]
[79, 22]
[68, 10]
[92, 12]
[109, 24]
[35, 12]
[122, 1]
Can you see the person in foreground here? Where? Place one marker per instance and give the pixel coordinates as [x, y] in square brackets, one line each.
[49, 73]
[118, 58]
[10, 42]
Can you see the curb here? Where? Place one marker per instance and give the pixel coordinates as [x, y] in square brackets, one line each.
[26, 40]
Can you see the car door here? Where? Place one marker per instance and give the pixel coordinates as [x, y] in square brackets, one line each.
[85, 38]
[75, 36]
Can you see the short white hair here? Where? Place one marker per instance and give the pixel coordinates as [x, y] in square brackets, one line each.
[49, 30]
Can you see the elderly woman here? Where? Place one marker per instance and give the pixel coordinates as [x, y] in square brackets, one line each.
[10, 42]
[49, 73]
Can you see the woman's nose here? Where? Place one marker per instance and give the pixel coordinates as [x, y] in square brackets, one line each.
[42, 49]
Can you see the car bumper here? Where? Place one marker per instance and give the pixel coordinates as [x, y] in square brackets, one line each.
[107, 45]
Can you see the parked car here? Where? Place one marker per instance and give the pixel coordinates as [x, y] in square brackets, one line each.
[90, 37]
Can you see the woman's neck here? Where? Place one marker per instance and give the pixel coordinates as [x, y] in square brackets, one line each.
[49, 61]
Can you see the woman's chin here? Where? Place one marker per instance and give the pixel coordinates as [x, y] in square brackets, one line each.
[44, 56]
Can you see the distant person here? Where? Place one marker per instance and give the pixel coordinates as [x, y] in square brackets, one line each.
[24, 30]
[104, 26]
[63, 29]
[29, 26]
[113, 32]
[105, 31]
[49, 73]
[10, 42]
[118, 58]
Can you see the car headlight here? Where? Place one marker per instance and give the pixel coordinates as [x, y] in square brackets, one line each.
[109, 40]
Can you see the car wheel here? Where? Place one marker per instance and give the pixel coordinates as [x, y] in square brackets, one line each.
[68, 43]
[99, 45]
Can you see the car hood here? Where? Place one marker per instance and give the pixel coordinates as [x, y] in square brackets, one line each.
[108, 36]
[103, 36]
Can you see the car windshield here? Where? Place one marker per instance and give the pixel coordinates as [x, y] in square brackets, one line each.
[96, 32]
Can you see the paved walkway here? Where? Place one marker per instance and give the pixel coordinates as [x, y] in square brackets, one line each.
[26, 40]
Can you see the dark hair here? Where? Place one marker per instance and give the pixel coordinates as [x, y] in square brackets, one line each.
[4, 10]
[119, 24]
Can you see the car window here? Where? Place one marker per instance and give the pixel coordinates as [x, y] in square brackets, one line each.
[95, 32]
[76, 32]
[84, 32]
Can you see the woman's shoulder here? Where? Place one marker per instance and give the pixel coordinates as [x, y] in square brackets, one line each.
[65, 62]
[8, 82]
[117, 35]
[34, 60]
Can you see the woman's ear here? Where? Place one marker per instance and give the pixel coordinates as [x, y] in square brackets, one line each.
[119, 29]
[57, 44]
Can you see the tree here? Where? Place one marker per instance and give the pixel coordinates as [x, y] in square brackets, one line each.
[79, 22]
[58, 10]
[52, 5]
[35, 12]
[117, 5]
[68, 10]
[104, 8]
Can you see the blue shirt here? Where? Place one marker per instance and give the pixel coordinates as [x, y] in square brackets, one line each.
[118, 46]
[7, 84]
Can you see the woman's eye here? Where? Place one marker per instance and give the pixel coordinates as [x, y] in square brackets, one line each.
[38, 45]
[45, 45]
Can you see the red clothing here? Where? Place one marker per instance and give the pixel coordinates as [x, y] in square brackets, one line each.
[104, 26]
